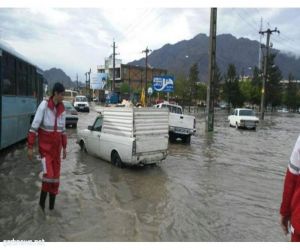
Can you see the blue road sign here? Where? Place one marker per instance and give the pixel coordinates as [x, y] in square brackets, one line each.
[163, 83]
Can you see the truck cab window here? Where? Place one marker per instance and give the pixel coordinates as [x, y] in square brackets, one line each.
[98, 125]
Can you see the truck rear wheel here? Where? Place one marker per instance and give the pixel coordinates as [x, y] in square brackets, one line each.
[116, 160]
[187, 139]
[172, 137]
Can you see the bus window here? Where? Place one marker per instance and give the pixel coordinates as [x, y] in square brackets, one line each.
[31, 91]
[9, 72]
[21, 78]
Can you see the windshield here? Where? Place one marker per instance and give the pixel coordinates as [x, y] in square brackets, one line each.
[246, 112]
[81, 99]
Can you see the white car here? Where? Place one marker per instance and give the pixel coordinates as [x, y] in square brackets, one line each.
[81, 103]
[243, 118]
[130, 136]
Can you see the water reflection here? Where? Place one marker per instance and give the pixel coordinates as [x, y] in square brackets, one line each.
[224, 186]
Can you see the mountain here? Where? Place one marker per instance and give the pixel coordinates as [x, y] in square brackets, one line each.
[242, 52]
[54, 75]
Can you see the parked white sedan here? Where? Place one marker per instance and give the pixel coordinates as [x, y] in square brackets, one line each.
[243, 118]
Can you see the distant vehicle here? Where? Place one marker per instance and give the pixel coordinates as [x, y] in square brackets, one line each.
[243, 118]
[70, 95]
[112, 98]
[71, 114]
[81, 103]
[21, 91]
[180, 125]
[223, 105]
[131, 136]
[283, 110]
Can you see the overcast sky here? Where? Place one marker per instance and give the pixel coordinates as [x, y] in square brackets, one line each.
[76, 39]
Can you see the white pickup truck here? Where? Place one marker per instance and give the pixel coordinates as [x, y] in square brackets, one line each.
[180, 125]
[127, 136]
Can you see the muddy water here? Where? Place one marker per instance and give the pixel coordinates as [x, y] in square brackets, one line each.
[225, 186]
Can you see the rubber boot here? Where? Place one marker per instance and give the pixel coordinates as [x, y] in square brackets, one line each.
[43, 197]
[52, 201]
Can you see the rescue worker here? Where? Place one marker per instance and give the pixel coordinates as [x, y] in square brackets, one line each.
[49, 126]
[290, 206]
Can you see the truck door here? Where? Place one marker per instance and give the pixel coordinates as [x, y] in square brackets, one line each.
[95, 136]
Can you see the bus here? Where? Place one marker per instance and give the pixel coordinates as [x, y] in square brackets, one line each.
[70, 95]
[21, 91]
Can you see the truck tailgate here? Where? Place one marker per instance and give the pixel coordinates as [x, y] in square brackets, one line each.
[151, 128]
[181, 121]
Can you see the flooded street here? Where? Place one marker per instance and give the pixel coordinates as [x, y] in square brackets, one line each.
[224, 186]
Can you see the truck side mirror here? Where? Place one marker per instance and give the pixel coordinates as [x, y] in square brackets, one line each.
[90, 127]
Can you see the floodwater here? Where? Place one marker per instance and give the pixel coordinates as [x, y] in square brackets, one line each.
[224, 186]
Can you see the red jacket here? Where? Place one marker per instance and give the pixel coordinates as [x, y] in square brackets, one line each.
[49, 124]
[290, 205]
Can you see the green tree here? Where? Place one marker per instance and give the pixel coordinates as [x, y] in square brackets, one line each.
[257, 86]
[217, 84]
[246, 89]
[201, 90]
[232, 93]
[124, 88]
[273, 87]
[192, 81]
[291, 96]
[181, 89]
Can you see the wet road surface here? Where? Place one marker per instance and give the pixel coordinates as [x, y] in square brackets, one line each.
[225, 186]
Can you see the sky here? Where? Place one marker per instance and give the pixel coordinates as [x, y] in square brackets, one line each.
[78, 38]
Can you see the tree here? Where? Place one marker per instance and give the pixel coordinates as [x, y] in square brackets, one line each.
[273, 87]
[201, 90]
[256, 86]
[291, 96]
[217, 87]
[192, 81]
[181, 90]
[124, 88]
[232, 93]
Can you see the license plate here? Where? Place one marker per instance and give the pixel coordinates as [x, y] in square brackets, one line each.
[181, 130]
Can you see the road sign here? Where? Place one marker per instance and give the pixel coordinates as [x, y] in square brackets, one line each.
[98, 80]
[150, 91]
[163, 83]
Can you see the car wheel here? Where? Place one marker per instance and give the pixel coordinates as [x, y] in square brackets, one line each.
[116, 160]
[82, 146]
[172, 137]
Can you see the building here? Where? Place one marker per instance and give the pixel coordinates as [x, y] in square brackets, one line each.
[133, 76]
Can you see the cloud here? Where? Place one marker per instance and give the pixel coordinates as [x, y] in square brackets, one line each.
[76, 39]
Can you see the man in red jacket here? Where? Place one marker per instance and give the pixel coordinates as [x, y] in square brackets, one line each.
[49, 126]
[290, 206]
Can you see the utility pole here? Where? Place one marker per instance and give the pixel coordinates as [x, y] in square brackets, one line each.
[262, 103]
[114, 67]
[89, 83]
[77, 82]
[260, 48]
[211, 71]
[146, 62]
[86, 82]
